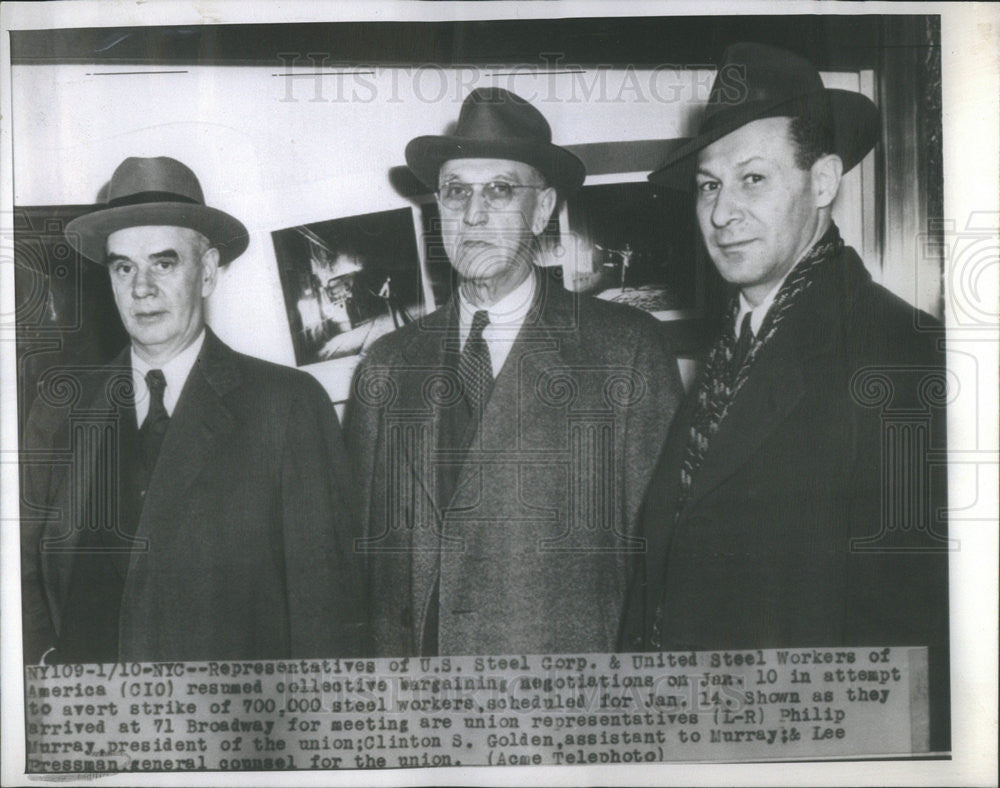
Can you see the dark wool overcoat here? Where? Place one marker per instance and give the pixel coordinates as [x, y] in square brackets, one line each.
[243, 540]
[817, 517]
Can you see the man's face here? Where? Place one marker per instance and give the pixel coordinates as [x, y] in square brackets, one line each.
[487, 242]
[755, 207]
[160, 275]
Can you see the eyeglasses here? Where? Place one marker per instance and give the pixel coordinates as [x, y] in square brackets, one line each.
[456, 195]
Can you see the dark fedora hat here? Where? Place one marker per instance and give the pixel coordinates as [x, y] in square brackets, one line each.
[156, 191]
[756, 81]
[497, 124]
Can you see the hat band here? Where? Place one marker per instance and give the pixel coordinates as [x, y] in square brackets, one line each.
[140, 198]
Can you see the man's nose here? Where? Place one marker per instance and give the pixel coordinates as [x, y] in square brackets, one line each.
[143, 284]
[727, 206]
[476, 210]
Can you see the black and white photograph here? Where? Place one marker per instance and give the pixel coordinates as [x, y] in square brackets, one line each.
[348, 281]
[637, 256]
[402, 392]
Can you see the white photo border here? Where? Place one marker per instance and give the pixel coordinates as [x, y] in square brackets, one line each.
[970, 40]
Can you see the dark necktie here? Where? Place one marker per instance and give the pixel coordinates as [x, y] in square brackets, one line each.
[474, 366]
[155, 426]
[743, 344]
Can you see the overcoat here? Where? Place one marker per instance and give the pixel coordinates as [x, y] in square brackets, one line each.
[530, 553]
[817, 517]
[243, 547]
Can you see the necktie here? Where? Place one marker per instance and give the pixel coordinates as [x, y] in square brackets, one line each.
[474, 366]
[155, 426]
[743, 344]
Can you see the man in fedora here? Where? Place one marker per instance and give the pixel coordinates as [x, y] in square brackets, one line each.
[506, 439]
[782, 512]
[204, 515]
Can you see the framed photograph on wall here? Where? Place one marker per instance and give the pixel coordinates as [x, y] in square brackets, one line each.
[66, 314]
[628, 248]
[349, 280]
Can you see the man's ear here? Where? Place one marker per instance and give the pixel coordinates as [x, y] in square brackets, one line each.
[209, 271]
[826, 174]
[544, 206]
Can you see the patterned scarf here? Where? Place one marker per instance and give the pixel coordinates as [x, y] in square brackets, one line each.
[722, 379]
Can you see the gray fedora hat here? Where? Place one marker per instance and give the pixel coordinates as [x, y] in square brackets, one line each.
[757, 81]
[497, 124]
[156, 191]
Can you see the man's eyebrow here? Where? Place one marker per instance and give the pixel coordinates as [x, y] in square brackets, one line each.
[115, 258]
[745, 162]
[166, 253]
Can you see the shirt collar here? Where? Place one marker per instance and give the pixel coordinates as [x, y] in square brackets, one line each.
[175, 371]
[759, 312]
[507, 314]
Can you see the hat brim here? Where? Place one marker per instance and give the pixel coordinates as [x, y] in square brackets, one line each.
[88, 234]
[563, 171]
[856, 128]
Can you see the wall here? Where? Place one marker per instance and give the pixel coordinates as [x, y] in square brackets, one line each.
[277, 146]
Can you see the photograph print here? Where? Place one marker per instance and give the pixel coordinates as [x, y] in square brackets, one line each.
[348, 281]
[628, 251]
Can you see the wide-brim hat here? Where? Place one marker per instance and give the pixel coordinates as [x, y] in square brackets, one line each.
[756, 81]
[497, 124]
[156, 191]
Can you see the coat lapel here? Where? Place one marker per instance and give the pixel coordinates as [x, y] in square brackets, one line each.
[775, 385]
[199, 421]
[773, 388]
[424, 358]
[126, 457]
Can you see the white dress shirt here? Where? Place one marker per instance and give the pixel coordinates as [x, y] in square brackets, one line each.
[175, 371]
[506, 318]
[759, 312]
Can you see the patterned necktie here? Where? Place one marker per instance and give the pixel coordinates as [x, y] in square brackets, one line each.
[155, 426]
[474, 366]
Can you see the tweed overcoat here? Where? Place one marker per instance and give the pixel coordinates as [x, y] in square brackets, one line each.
[531, 551]
[244, 542]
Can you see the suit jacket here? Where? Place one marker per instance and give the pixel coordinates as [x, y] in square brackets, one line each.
[817, 516]
[243, 548]
[530, 552]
